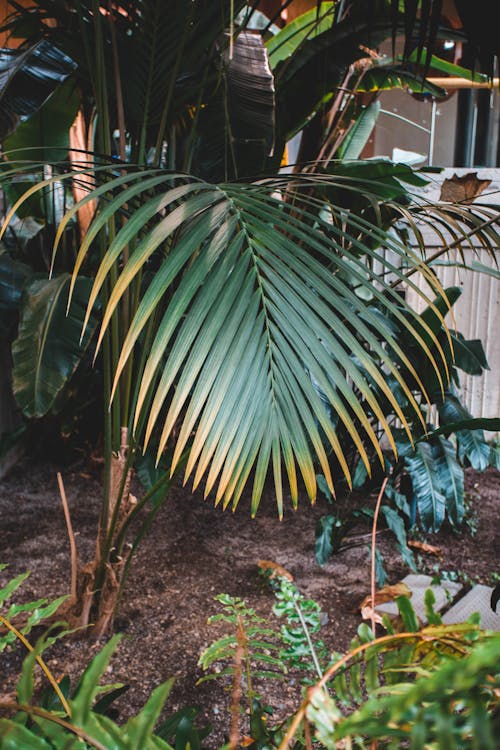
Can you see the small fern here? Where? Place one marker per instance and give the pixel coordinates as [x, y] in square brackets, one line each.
[260, 650]
[303, 621]
[250, 651]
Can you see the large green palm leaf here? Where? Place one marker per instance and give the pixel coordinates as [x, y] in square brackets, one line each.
[266, 322]
[255, 314]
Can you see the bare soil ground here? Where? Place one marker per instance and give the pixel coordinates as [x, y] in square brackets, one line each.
[195, 552]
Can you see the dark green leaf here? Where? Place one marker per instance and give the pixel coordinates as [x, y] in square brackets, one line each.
[16, 737]
[13, 276]
[358, 135]
[323, 547]
[323, 487]
[471, 442]
[306, 26]
[139, 729]
[427, 486]
[46, 351]
[407, 613]
[46, 133]
[388, 77]
[452, 478]
[27, 79]
[469, 355]
[380, 571]
[83, 700]
[236, 132]
[396, 524]
[472, 423]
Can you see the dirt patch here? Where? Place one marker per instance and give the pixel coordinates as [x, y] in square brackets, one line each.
[195, 552]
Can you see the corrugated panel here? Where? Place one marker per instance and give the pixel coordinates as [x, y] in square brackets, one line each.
[477, 312]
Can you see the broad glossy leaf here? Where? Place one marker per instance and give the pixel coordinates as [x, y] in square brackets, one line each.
[236, 126]
[47, 351]
[358, 135]
[495, 456]
[473, 447]
[396, 524]
[438, 482]
[46, 133]
[323, 547]
[445, 66]
[306, 26]
[427, 486]
[27, 79]
[469, 355]
[387, 77]
[452, 479]
[321, 63]
[471, 423]
[13, 276]
[381, 178]
[471, 442]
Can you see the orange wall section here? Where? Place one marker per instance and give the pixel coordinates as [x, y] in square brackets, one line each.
[5, 10]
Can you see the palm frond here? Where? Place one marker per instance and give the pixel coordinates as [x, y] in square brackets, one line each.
[253, 311]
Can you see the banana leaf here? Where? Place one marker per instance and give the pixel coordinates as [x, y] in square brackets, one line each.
[13, 276]
[358, 136]
[46, 132]
[387, 77]
[46, 351]
[236, 132]
[472, 445]
[27, 79]
[469, 355]
[428, 477]
[307, 26]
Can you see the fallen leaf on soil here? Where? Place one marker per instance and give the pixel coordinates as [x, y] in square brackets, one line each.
[276, 570]
[429, 549]
[383, 595]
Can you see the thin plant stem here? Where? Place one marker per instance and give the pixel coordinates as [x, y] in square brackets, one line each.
[373, 553]
[50, 716]
[72, 542]
[40, 662]
[303, 624]
[248, 667]
[307, 735]
[239, 655]
[119, 93]
[120, 540]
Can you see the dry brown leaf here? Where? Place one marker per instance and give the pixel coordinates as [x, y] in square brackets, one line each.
[462, 189]
[428, 549]
[246, 741]
[385, 594]
[276, 570]
[367, 613]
